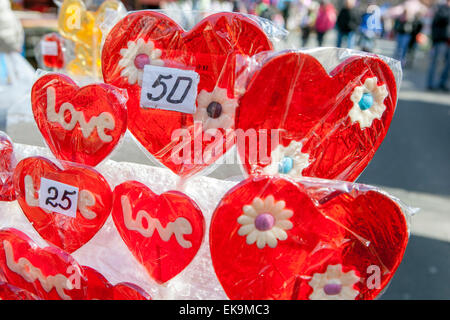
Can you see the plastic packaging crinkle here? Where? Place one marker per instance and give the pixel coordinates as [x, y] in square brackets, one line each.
[81, 125]
[309, 238]
[186, 116]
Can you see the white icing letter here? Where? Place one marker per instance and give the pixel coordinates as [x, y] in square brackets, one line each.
[85, 200]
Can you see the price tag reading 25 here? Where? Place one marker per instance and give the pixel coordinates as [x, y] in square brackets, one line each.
[169, 89]
[58, 197]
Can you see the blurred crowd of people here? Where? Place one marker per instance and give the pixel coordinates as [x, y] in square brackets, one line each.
[361, 23]
[356, 22]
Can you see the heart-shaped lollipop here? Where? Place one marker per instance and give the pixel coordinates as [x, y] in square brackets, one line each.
[30, 272]
[164, 232]
[129, 291]
[49, 273]
[269, 240]
[210, 49]
[10, 292]
[329, 125]
[100, 289]
[66, 207]
[7, 165]
[80, 125]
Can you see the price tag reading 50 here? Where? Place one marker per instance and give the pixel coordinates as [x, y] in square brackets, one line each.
[169, 89]
[58, 197]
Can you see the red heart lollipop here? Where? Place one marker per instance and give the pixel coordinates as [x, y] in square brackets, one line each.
[100, 289]
[269, 241]
[81, 125]
[9, 292]
[29, 272]
[7, 164]
[70, 223]
[51, 51]
[48, 273]
[164, 232]
[210, 48]
[129, 291]
[330, 126]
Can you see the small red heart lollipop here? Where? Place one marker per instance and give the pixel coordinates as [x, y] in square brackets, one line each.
[80, 125]
[48, 273]
[129, 291]
[164, 232]
[10, 292]
[28, 272]
[330, 125]
[66, 207]
[100, 289]
[52, 51]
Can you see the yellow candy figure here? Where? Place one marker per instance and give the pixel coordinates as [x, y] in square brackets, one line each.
[84, 28]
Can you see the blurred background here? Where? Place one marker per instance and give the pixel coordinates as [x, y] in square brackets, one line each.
[413, 161]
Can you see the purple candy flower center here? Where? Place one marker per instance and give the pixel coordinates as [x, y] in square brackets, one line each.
[214, 110]
[332, 289]
[141, 60]
[264, 221]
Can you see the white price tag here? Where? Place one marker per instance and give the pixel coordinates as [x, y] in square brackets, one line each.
[49, 48]
[58, 197]
[169, 89]
[110, 14]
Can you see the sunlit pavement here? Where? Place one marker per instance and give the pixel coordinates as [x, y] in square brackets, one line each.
[412, 164]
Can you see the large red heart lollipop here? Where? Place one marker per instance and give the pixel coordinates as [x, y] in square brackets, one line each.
[330, 126]
[164, 232]
[81, 125]
[7, 165]
[210, 49]
[66, 207]
[48, 273]
[270, 241]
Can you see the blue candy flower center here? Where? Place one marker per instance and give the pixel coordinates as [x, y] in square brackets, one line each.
[285, 165]
[366, 101]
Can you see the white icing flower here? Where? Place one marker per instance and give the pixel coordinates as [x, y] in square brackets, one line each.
[288, 160]
[334, 284]
[135, 57]
[368, 102]
[265, 222]
[215, 109]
